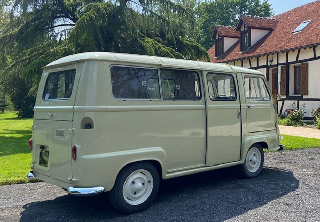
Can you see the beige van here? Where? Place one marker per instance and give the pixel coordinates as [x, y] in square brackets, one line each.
[120, 123]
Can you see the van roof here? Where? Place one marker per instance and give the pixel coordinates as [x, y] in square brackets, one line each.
[149, 60]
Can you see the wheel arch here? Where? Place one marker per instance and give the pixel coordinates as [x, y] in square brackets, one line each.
[249, 142]
[156, 156]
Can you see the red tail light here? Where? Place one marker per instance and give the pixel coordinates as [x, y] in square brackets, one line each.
[30, 144]
[74, 152]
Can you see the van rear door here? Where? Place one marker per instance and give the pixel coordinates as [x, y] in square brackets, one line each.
[53, 122]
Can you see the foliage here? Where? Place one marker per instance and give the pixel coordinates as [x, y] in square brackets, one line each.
[227, 13]
[315, 113]
[296, 142]
[15, 157]
[294, 118]
[40, 32]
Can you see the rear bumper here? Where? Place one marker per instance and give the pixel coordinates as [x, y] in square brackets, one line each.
[85, 191]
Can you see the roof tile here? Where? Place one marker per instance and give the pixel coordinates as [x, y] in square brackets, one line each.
[281, 38]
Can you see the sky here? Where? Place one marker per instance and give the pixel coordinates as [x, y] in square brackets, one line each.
[280, 6]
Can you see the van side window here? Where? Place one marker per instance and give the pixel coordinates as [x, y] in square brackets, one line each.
[221, 87]
[59, 85]
[255, 88]
[135, 83]
[180, 85]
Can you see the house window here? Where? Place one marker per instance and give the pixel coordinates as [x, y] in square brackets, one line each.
[300, 86]
[297, 80]
[219, 47]
[245, 40]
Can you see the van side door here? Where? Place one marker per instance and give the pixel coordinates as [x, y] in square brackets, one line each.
[223, 118]
[260, 109]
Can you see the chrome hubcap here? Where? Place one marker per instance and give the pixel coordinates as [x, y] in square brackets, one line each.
[138, 187]
[253, 159]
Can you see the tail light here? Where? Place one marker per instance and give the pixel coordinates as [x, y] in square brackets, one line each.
[74, 152]
[30, 144]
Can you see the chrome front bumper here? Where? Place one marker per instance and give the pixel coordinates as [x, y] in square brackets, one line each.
[30, 176]
[85, 191]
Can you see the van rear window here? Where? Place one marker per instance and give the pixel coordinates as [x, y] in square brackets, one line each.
[59, 85]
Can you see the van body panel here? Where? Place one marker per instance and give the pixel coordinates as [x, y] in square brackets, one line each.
[223, 125]
[88, 171]
[53, 127]
[260, 114]
[183, 136]
[271, 138]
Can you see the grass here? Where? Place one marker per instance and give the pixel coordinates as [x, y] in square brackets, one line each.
[15, 157]
[296, 142]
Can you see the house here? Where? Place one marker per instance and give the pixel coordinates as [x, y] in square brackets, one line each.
[286, 48]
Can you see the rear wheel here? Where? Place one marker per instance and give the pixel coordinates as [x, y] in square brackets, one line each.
[253, 163]
[135, 188]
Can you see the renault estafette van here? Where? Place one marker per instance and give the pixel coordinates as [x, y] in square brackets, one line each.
[120, 123]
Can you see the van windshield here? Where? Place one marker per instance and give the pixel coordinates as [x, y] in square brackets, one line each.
[59, 85]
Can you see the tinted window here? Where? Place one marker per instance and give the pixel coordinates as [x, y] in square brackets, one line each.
[221, 87]
[135, 83]
[180, 85]
[255, 88]
[59, 85]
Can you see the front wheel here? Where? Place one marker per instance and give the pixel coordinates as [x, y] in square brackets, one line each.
[253, 163]
[135, 188]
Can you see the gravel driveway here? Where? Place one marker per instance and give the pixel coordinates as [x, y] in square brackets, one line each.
[287, 190]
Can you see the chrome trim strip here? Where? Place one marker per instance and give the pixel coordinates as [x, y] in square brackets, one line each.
[85, 191]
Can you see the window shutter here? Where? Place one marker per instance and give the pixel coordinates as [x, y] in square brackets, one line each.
[274, 73]
[283, 80]
[304, 79]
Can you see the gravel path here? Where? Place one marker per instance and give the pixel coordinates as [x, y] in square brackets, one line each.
[287, 190]
[300, 131]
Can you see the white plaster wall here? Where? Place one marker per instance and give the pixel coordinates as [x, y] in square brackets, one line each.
[282, 57]
[313, 79]
[306, 106]
[257, 34]
[306, 53]
[228, 42]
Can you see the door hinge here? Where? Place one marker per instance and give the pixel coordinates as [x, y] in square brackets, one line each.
[239, 114]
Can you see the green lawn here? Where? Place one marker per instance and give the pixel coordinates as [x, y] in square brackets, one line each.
[15, 157]
[296, 142]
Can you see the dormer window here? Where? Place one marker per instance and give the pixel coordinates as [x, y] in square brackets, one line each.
[301, 26]
[219, 47]
[245, 41]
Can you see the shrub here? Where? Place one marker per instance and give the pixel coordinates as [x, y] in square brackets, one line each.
[22, 101]
[315, 113]
[318, 122]
[295, 118]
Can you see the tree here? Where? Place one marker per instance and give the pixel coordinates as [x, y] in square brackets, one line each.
[41, 31]
[226, 13]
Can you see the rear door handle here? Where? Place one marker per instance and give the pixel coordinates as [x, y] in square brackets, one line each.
[249, 106]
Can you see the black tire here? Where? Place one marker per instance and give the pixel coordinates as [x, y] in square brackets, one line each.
[135, 188]
[253, 163]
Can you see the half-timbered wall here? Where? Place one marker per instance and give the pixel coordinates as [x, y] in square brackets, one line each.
[307, 59]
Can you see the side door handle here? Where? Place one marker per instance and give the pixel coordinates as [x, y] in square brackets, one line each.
[249, 106]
